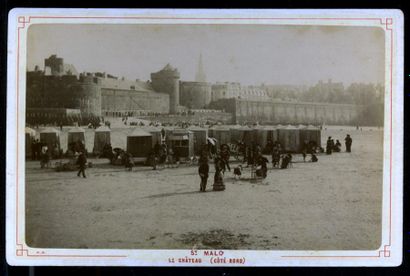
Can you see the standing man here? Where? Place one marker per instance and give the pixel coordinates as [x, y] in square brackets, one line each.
[249, 155]
[225, 154]
[157, 148]
[33, 149]
[329, 145]
[38, 149]
[129, 163]
[348, 143]
[81, 161]
[163, 134]
[275, 157]
[203, 171]
[153, 157]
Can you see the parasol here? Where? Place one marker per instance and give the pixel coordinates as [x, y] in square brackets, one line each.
[211, 140]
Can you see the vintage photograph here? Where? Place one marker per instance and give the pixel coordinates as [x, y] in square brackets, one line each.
[205, 136]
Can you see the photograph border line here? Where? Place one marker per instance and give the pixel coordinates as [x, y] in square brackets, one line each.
[23, 21]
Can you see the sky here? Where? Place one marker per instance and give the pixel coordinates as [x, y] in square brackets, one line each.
[249, 54]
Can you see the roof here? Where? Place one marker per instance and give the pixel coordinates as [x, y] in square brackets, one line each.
[31, 131]
[49, 130]
[290, 127]
[69, 68]
[168, 67]
[244, 128]
[139, 132]
[312, 127]
[270, 127]
[196, 128]
[220, 127]
[234, 126]
[181, 131]
[103, 129]
[151, 129]
[76, 130]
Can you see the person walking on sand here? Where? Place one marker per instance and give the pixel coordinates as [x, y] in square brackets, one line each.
[81, 162]
[348, 143]
[203, 171]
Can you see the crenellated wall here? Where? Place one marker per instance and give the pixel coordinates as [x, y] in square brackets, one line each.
[119, 100]
[93, 96]
[96, 94]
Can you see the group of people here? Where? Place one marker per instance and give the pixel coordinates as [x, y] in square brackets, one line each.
[221, 156]
[161, 154]
[280, 159]
[221, 163]
[42, 151]
[252, 156]
[332, 146]
[36, 147]
[76, 146]
[118, 156]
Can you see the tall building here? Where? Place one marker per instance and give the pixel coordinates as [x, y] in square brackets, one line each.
[57, 94]
[55, 66]
[200, 75]
[167, 81]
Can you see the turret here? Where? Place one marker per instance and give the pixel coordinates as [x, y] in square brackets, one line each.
[55, 64]
[167, 81]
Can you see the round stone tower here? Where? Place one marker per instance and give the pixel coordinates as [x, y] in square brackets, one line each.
[167, 81]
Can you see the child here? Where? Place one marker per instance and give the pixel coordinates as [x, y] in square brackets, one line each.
[237, 171]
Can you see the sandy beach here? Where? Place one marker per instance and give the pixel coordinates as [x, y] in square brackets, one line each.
[334, 204]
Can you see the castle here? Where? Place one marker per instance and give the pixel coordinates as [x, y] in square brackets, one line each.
[59, 92]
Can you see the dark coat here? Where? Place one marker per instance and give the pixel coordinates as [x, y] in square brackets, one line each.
[348, 141]
[204, 169]
[82, 160]
[237, 171]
